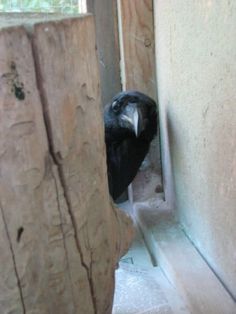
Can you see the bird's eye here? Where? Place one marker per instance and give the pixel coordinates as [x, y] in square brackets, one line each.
[115, 106]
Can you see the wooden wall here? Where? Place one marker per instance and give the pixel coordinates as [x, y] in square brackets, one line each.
[137, 45]
[105, 13]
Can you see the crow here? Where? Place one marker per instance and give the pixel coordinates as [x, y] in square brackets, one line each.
[131, 121]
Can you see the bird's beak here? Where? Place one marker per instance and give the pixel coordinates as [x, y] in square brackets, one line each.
[133, 116]
[136, 122]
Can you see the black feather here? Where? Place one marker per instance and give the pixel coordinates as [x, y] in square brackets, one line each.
[125, 150]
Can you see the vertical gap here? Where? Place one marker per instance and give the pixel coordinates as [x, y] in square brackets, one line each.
[159, 128]
[165, 154]
[128, 192]
[121, 44]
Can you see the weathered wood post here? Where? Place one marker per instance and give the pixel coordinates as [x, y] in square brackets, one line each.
[60, 236]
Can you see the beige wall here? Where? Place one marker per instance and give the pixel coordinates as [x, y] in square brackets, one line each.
[196, 68]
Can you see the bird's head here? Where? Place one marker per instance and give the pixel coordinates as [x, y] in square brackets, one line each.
[132, 112]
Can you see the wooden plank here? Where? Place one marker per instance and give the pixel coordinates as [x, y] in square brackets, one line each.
[68, 66]
[31, 198]
[138, 45]
[60, 236]
[105, 13]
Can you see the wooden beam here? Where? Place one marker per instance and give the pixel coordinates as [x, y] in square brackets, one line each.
[105, 12]
[137, 35]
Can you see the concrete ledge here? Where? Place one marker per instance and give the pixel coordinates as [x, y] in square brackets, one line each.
[181, 262]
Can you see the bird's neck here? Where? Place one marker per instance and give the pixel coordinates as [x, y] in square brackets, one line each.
[117, 135]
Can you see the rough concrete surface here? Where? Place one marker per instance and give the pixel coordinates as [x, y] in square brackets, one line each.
[196, 66]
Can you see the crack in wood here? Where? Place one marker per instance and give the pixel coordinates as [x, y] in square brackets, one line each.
[71, 214]
[63, 234]
[13, 260]
[58, 163]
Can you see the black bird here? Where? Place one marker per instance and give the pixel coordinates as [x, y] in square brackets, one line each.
[130, 125]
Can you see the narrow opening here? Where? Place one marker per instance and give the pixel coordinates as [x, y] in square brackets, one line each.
[148, 184]
[141, 286]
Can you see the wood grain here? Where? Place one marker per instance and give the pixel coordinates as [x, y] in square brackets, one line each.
[60, 235]
[72, 101]
[105, 14]
[138, 45]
